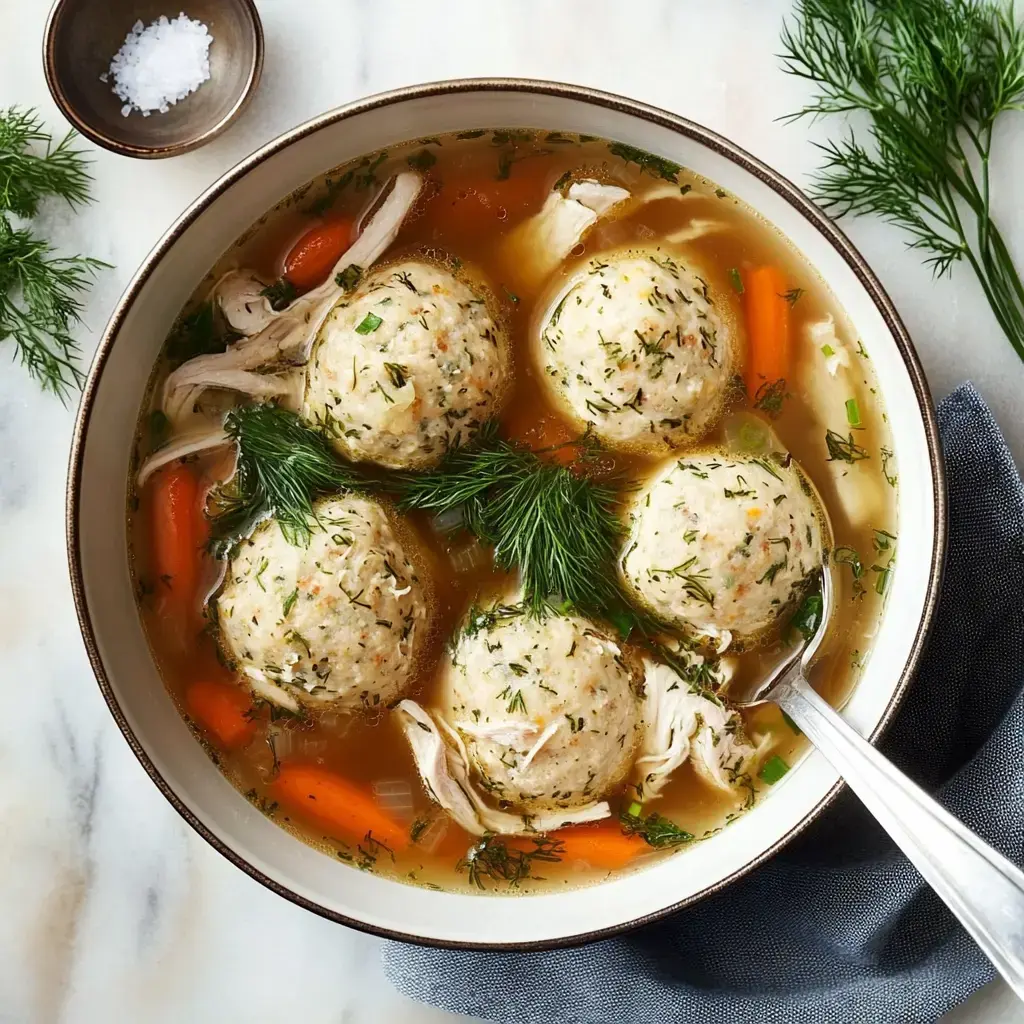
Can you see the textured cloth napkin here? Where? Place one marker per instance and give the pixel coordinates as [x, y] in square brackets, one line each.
[838, 927]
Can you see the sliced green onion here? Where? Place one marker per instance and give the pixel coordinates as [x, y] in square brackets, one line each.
[773, 770]
[635, 809]
[882, 579]
[853, 412]
[827, 350]
[789, 721]
[369, 324]
[737, 281]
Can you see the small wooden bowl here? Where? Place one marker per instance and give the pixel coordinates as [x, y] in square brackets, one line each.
[82, 37]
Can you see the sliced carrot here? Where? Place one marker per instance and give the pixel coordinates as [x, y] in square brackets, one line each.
[547, 432]
[473, 205]
[767, 315]
[176, 541]
[313, 256]
[602, 846]
[336, 804]
[221, 709]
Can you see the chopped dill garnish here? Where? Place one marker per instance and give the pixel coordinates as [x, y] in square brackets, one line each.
[845, 555]
[888, 456]
[422, 161]
[737, 280]
[793, 296]
[516, 703]
[807, 618]
[772, 571]
[348, 278]
[843, 449]
[280, 294]
[766, 465]
[397, 374]
[769, 397]
[656, 166]
[485, 619]
[693, 582]
[492, 860]
[884, 540]
[199, 333]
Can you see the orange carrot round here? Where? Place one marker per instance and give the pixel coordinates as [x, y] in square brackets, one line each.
[766, 310]
[176, 543]
[602, 846]
[313, 256]
[336, 804]
[221, 709]
[473, 205]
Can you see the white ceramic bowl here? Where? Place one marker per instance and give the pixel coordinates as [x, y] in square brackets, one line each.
[97, 542]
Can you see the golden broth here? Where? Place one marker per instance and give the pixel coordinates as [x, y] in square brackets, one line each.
[479, 187]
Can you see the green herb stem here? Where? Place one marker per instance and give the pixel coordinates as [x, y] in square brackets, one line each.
[932, 76]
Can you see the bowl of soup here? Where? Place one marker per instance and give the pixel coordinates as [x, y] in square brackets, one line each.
[441, 470]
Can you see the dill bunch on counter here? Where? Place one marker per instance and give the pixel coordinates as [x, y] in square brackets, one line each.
[40, 292]
[932, 76]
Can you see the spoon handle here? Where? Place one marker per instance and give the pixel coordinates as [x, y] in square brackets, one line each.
[982, 888]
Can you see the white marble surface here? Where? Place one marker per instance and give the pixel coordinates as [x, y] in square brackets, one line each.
[113, 910]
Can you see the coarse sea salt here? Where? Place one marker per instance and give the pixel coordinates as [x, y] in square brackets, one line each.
[160, 64]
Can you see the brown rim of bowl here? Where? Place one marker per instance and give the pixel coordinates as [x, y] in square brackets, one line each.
[603, 99]
[149, 152]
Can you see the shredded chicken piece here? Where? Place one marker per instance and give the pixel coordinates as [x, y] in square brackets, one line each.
[263, 687]
[682, 722]
[697, 228]
[239, 293]
[550, 731]
[178, 447]
[597, 197]
[535, 248]
[259, 385]
[443, 765]
[284, 336]
[665, 190]
[826, 377]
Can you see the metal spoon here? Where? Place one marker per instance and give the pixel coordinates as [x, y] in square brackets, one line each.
[982, 888]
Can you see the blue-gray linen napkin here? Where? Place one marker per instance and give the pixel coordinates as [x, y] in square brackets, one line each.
[838, 927]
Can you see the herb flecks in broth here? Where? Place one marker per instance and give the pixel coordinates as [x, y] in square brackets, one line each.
[516, 534]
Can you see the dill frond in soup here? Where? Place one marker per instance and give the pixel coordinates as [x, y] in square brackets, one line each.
[469, 480]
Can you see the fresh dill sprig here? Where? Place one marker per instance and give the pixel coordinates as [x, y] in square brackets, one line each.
[559, 529]
[283, 466]
[932, 76]
[40, 291]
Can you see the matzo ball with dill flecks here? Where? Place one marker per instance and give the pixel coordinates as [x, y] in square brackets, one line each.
[547, 706]
[638, 346]
[409, 365]
[339, 622]
[722, 545]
